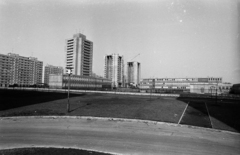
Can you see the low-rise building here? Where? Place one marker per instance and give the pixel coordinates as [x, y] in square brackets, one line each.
[49, 69]
[193, 85]
[79, 82]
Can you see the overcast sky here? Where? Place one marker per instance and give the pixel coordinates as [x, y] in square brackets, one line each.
[175, 38]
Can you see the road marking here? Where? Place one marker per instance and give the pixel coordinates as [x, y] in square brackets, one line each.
[208, 114]
[183, 113]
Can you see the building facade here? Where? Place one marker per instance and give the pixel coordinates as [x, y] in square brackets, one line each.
[133, 73]
[193, 85]
[114, 69]
[49, 69]
[79, 54]
[6, 67]
[79, 82]
[19, 70]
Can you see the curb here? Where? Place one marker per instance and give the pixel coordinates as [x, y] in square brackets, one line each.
[101, 92]
[62, 147]
[120, 120]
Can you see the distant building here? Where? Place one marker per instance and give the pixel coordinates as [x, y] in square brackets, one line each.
[133, 73]
[79, 82]
[114, 69]
[23, 71]
[235, 89]
[6, 69]
[79, 54]
[96, 76]
[193, 85]
[49, 69]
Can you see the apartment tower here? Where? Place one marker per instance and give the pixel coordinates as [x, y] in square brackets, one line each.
[6, 67]
[23, 71]
[133, 73]
[79, 53]
[49, 69]
[114, 69]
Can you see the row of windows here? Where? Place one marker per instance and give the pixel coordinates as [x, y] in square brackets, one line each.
[70, 45]
[85, 79]
[70, 40]
[215, 79]
[88, 46]
[70, 52]
[166, 87]
[84, 85]
[6, 61]
[69, 56]
[87, 43]
[86, 58]
[188, 79]
[172, 87]
[193, 79]
[224, 87]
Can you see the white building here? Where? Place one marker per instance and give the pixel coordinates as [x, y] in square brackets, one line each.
[79, 53]
[114, 69]
[133, 73]
[200, 85]
[49, 69]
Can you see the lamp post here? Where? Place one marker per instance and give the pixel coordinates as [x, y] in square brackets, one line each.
[95, 83]
[216, 92]
[69, 72]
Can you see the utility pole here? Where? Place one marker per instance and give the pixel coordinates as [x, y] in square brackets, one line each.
[216, 91]
[69, 71]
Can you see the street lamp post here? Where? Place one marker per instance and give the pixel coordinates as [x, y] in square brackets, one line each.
[69, 71]
[216, 92]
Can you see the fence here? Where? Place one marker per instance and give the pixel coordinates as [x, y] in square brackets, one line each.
[211, 94]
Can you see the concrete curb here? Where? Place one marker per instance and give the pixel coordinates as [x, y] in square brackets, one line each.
[62, 147]
[125, 93]
[101, 92]
[120, 120]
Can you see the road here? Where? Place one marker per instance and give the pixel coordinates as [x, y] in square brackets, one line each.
[115, 136]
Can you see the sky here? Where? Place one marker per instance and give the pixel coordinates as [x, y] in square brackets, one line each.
[170, 38]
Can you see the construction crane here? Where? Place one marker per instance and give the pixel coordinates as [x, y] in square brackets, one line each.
[135, 57]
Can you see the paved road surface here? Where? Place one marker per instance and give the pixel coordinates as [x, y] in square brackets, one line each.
[119, 137]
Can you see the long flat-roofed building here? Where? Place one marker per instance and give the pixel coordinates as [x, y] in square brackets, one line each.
[79, 53]
[133, 73]
[23, 71]
[193, 85]
[79, 82]
[114, 69]
[49, 69]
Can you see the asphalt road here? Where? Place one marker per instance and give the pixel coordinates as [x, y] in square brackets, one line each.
[115, 136]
